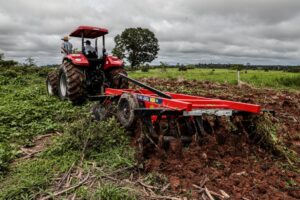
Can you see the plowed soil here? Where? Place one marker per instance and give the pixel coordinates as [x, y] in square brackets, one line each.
[241, 169]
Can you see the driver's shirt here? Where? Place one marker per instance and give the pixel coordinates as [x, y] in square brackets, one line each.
[89, 49]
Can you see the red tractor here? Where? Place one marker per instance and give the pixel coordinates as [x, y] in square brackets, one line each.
[81, 76]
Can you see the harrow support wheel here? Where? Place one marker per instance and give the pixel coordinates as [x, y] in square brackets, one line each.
[125, 110]
[116, 81]
[71, 83]
[52, 83]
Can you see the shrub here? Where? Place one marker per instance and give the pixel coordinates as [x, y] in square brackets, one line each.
[145, 68]
[182, 68]
[289, 81]
[163, 67]
[238, 67]
[211, 72]
[92, 135]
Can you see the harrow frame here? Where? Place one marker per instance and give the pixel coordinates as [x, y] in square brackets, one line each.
[187, 105]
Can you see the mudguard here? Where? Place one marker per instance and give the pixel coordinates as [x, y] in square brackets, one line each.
[78, 59]
[112, 62]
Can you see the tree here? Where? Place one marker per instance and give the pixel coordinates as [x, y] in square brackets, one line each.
[136, 45]
[238, 67]
[1, 56]
[30, 61]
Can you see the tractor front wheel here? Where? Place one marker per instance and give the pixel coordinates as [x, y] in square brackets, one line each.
[71, 84]
[52, 83]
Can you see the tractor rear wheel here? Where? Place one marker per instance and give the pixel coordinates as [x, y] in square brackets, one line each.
[116, 80]
[125, 110]
[52, 83]
[71, 84]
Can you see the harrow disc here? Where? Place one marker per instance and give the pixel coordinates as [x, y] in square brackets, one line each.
[167, 135]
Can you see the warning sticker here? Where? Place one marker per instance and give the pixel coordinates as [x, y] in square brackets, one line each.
[149, 99]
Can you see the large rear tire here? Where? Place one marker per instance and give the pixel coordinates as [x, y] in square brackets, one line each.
[116, 81]
[52, 83]
[71, 84]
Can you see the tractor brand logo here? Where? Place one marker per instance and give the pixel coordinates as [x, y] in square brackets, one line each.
[149, 99]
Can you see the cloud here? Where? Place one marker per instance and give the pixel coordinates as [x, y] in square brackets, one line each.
[262, 32]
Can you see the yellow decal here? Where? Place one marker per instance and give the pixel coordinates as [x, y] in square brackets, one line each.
[152, 99]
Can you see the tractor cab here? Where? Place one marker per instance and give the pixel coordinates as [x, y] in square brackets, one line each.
[100, 58]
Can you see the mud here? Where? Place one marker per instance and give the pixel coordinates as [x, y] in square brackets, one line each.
[231, 162]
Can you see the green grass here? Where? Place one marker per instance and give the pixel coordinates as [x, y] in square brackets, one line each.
[111, 192]
[30, 178]
[259, 78]
[104, 143]
[106, 192]
[27, 111]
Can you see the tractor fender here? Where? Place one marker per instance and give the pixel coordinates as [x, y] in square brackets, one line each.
[78, 59]
[112, 62]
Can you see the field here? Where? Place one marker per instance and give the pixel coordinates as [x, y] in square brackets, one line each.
[52, 150]
[259, 78]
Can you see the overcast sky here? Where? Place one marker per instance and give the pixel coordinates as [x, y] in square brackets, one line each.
[189, 31]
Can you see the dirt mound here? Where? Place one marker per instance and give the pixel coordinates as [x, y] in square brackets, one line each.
[285, 104]
[235, 165]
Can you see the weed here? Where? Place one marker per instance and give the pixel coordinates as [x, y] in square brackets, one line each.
[265, 134]
[31, 177]
[105, 143]
[145, 68]
[290, 183]
[289, 81]
[7, 153]
[27, 111]
[155, 178]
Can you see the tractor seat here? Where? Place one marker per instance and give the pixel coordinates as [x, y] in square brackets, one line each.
[95, 61]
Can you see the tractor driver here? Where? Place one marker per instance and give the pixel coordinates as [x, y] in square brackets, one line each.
[66, 46]
[89, 50]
